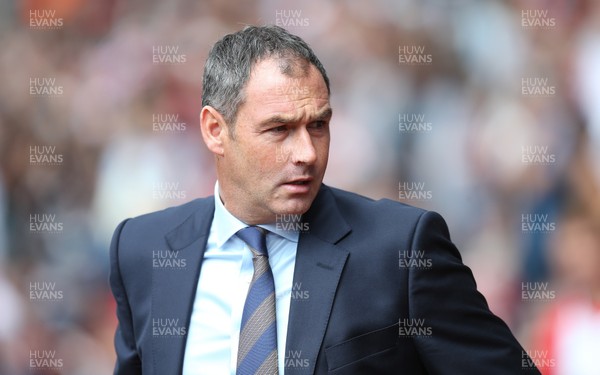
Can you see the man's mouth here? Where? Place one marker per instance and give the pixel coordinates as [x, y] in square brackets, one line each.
[300, 181]
[299, 185]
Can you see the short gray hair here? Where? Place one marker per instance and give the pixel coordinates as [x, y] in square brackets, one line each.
[232, 58]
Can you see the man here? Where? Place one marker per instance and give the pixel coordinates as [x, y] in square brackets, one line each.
[278, 273]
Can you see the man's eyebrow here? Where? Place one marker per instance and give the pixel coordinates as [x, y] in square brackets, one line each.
[282, 119]
[324, 115]
[278, 119]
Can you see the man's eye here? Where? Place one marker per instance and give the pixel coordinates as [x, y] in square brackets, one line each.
[279, 129]
[318, 124]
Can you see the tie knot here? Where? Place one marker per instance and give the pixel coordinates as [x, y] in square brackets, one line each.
[255, 238]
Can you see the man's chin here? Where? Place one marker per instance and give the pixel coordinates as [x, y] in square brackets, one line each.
[295, 206]
[291, 203]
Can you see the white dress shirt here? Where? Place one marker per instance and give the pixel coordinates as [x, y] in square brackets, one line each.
[225, 275]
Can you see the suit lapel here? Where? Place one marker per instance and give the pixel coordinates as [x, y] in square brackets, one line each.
[319, 265]
[174, 288]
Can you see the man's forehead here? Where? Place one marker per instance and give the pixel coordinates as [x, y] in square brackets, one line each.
[297, 115]
[290, 106]
[268, 80]
[270, 93]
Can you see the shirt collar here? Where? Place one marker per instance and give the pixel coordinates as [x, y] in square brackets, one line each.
[226, 225]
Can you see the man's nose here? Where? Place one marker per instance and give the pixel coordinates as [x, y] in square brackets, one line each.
[303, 150]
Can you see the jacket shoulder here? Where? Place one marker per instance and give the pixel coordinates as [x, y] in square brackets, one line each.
[356, 205]
[152, 227]
[172, 216]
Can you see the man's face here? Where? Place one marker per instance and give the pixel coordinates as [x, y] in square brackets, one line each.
[276, 160]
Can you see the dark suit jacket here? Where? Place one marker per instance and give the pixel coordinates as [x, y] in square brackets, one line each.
[360, 311]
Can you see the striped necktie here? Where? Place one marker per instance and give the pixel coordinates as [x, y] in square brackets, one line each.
[257, 351]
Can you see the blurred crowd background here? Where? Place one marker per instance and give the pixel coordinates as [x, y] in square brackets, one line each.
[495, 124]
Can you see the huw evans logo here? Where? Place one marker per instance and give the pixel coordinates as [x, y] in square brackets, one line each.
[167, 54]
[44, 360]
[298, 293]
[291, 87]
[537, 18]
[295, 359]
[44, 291]
[291, 222]
[168, 190]
[410, 327]
[414, 55]
[537, 223]
[44, 19]
[540, 359]
[167, 259]
[44, 155]
[45, 223]
[290, 18]
[282, 154]
[536, 154]
[413, 191]
[167, 122]
[44, 86]
[537, 291]
[413, 259]
[167, 327]
[413, 123]
[537, 86]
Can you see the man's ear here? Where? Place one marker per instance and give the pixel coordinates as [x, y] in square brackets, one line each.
[214, 129]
